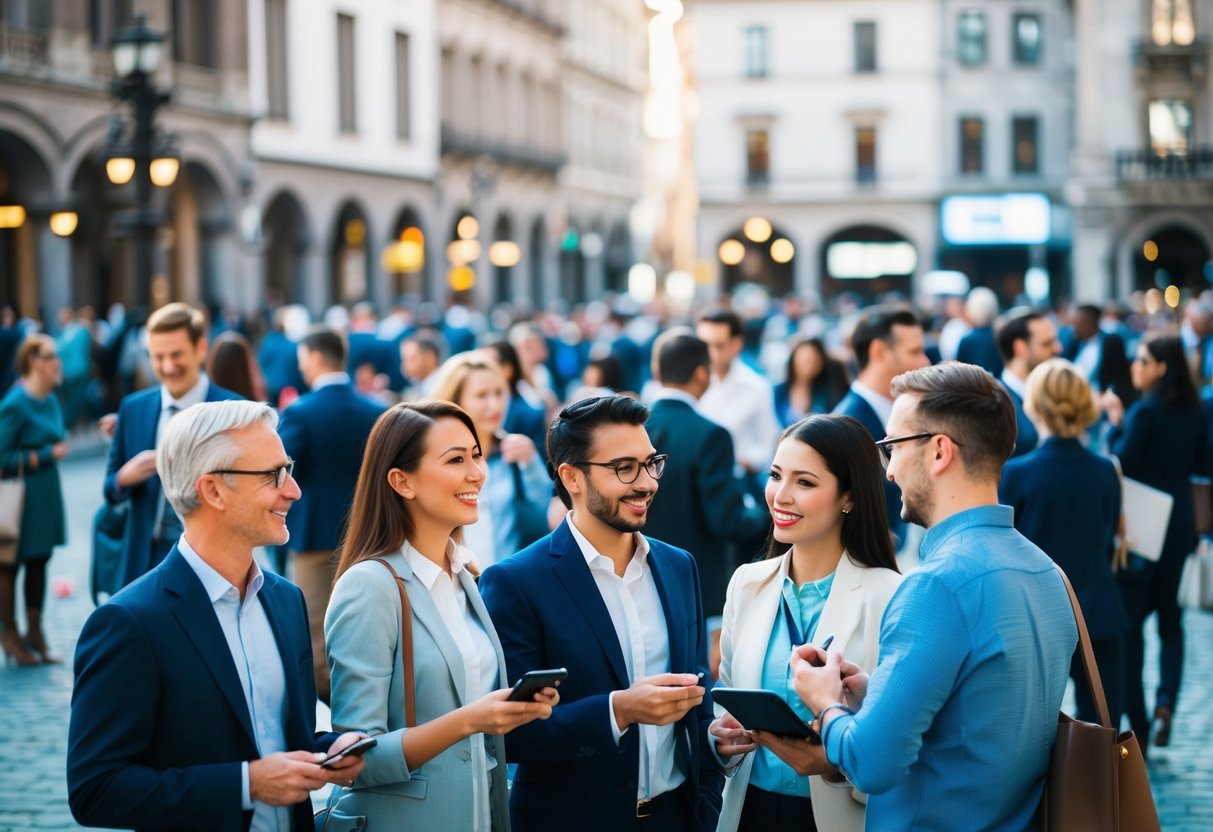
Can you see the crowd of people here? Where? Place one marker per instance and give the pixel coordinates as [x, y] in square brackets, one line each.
[401, 516]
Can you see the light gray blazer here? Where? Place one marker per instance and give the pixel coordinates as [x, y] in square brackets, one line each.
[362, 642]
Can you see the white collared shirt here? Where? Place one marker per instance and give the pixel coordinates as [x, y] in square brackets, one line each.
[479, 657]
[329, 379]
[639, 619]
[742, 403]
[254, 650]
[881, 403]
[1014, 383]
[674, 394]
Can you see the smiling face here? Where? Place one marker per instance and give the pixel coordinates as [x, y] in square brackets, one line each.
[802, 496]
[176, 361]
[444, 490]
[256, 512]
[599, 493]
[484, 398]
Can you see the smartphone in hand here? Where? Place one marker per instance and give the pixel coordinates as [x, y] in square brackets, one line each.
[354, 750]
[534, 681]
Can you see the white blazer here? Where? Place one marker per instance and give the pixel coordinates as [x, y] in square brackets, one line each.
[852, 613]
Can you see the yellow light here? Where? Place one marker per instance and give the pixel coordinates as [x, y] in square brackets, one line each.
[461, 278]
[782, 251]
[163, 172]
[12, 216]
[757, 229]
[63, 223]
[1172, 296]
[504, 254]
[731, 252]
[1153, 301]
[468, 228]
[462, 252]
[412, 234]
[405, 256]
[120, 169]
[1149, 250]
[355, 233]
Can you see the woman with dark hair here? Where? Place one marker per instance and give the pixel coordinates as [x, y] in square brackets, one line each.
[421, 474]
[829, 571]
[520, 415]
[1161, 441]
[230, 364]
[815, 382]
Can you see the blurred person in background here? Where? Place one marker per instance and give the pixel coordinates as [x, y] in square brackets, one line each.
[978, 345]
[1163, 441]
[1025, 339]
[514, 500]
[814, 382]
[31, 444]
[229, 363]
[421, 355]
[536, 384]
[1077, 532]
[75, 346]
[277, 353]
[520, 415]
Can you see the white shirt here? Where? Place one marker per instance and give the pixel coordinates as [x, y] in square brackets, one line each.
[329, 379]
[258, 664]
[479, 657]
[1014, 383]
[674, 394]
[882, 404]
[639, 619]
[742, 402]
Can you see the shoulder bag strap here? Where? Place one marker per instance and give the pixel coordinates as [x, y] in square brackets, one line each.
[406, 645]
[1088, 656]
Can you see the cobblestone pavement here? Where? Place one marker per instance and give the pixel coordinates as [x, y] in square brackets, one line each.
[34, 701]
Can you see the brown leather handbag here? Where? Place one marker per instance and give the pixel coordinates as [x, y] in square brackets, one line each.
[1097, 776]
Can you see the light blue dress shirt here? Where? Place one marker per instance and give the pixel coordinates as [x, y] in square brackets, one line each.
[495, 536]
[806, 603]
[259, 665]
[961, 711]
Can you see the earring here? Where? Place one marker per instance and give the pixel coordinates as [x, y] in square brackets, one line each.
[846, 511]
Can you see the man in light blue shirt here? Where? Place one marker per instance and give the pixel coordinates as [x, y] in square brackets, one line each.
[954, 728]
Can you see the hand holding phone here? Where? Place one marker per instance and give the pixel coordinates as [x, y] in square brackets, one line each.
[536, 680]
[356, 749]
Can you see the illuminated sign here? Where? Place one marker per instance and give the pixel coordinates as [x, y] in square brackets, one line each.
[1021, 219]
[853, 260]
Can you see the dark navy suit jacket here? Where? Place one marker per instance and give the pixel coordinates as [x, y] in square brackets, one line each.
[325, 433]
[522, 417]
[549, 613]
[700, 504]
[138, 421]
[1026, 435]
[1067, 502]
[159, 724]
[853, 405]
[978, 347]
[279, 360]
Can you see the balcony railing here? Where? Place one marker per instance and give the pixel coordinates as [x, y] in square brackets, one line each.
[1147, 165]
[1190, 61]
[463, 143]
[23, 48]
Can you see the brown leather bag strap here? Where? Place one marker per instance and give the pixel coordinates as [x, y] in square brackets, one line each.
[406, 645]
[1088, 656]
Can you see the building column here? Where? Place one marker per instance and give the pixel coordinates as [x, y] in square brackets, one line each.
[54, 271]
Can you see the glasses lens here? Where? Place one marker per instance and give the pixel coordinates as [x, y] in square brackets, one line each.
[656, 466]
[284, 472]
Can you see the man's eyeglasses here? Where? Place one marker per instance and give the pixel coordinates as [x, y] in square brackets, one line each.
[628, 470]
[279, 474]
[886, 445]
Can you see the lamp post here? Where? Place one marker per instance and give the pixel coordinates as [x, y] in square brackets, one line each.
[143, 155]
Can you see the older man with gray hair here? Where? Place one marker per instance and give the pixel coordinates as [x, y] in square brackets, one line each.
[194, 683]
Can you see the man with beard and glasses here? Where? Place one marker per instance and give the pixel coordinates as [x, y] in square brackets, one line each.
[954, 728]
[627, 747]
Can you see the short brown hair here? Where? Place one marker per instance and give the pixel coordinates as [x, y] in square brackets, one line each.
[1059, 395]
[967, 404]
[29, 349]
[174, 316]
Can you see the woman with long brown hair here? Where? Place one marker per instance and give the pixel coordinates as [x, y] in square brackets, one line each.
[421, 477]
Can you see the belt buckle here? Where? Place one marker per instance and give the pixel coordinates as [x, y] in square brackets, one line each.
[645, 808]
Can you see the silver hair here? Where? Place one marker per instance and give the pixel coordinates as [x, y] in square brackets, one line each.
[197, 441]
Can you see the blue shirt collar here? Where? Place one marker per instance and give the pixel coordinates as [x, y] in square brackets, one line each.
[938, 534]
[216, 585]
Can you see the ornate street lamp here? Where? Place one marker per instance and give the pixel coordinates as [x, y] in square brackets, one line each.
[140, 153]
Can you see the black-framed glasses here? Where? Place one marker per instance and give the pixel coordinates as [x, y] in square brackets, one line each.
[279, 474]
[628, 470]
[886, 445]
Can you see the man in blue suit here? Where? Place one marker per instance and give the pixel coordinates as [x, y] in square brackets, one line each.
[324, 432]
[193, 706]
[627, 748]
[1025, 339]
[176, 342]
[887, 341]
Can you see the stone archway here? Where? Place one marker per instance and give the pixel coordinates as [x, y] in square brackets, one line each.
[200, 220]
[287, 238]
[26, 188]
[758, 252]
[349, 256]
[868, 261]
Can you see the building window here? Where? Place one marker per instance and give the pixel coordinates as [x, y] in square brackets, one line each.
[105, 18]
[346, 111]
[865, 47]
[756, 52]
[275, 60]
[758, 158]
[194, 36]
[865, 155]
[971, 37]
[1025, 156]
[1170, 126]
[1025, 44]
[403, 77]
[1171, 23]
[972, 136]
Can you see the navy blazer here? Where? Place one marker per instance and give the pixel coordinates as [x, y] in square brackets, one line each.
[325, 433]
[1067, 502]
[138, 421]
[523, 417]
[979, 347]
[548, 612]
[700, 505]
[159, 726]
[855, 406]
[1026, 435]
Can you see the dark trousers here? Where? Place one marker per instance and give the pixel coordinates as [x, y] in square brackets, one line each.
[1109, 658]
[764, 811]
[1151, 587]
